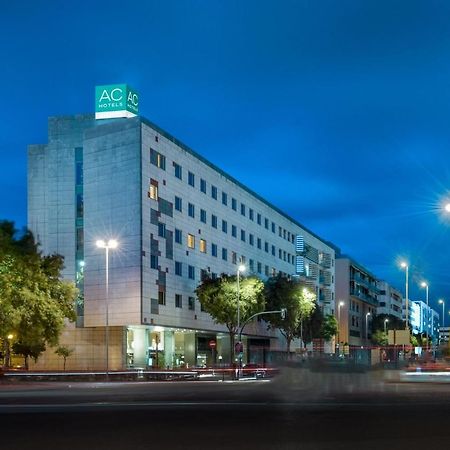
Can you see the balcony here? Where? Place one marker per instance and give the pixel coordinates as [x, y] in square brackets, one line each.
[365, 282]
[364, 297]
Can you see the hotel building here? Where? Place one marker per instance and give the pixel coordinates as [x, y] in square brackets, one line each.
[176, 218]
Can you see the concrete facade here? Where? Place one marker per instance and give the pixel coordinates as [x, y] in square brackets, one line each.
[176, 218]
[390, 300]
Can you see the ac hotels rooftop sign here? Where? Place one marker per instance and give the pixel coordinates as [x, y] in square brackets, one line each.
[115, 100]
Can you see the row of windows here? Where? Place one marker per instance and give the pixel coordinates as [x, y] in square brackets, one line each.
[191, 243]
[178, 301]
[159, 160]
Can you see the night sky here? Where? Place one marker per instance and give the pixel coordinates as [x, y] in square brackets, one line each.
[338, 112]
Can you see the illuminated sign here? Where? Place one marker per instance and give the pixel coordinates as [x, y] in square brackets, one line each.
[115, 100]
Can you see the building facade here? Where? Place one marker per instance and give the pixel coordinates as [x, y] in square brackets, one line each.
[356, 302]
[176, 218]
[424, 320]
[390, 300]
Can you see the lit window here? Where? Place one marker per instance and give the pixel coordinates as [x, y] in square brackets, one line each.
[191, 241]
[153, 189]
[202, 245]
[157, 159]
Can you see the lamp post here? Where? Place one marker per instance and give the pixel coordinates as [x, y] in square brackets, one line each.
[425, 285]
[241, 268]
[367, 325]
[385, 325]
[341, 303]
[111, 244]
[405, 266]
[442, 302]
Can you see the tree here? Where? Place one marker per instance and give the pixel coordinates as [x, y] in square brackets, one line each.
[329, 327]
[379, 337]
[65, 352]
[28, 350]
[313, 325]
[219, 298]
[34, 301]
[282, 292]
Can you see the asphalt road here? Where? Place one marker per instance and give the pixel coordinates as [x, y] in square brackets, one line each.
[297, 410]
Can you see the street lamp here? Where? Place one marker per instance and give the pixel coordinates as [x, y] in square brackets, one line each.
[425, 285]
[385, 325]
[405, 266]
[111, 244]
[367, 325]
[442, 302]
[447, 207]
[341, 303]
[241, 268]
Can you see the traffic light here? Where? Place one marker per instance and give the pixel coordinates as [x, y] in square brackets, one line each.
[283, 313]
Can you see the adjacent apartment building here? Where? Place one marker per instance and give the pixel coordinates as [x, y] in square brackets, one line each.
[176, 217]
[390, 300]
[356, 300]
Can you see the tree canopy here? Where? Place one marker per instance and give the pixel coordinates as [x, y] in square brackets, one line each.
[219, 298]
[282, 292]
[34, 301]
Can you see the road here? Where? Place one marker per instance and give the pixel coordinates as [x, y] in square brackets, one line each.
[297, 410]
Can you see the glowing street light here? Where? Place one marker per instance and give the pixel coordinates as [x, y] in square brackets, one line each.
[405, 266]
[241, 268]
[442, 302]
[385, 325]
[447, 207]
[111, 244]
[340, 304]
[367, 325]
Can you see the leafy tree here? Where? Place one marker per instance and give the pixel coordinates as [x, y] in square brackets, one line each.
[33, 350]
[64, 352]
[329, 327]
[34, 301]
[379, 337]
[282, 292]
[219, 298]
[313, 325]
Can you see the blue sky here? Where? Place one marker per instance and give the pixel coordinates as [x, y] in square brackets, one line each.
[338, 112]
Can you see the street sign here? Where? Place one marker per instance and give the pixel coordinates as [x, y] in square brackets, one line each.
[212, 344]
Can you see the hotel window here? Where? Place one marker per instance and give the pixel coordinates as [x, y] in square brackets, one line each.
[273, 250]
[258, 219]
[224, 226]
[202, 216]
[202, 185]
[157, 159]
[178, 268]
[251, 239]
[161, 298]
[243, 235]
[266, 223]
[224, 198]
[251, 265]
[233, 204]
[279, 232]
[161, 229]
[213, 221]
[153, 262]
[242, 209]
[178, 204]
[191, 272]
[233, 231]
[191, 241]
[178, 236]
[266, 247]
[224, 254]
[191, 179]
[214, 192]
[258, 243]
[259, 267]
[191, 210]
[234, 257]
[178, 300]
[153, 189]
[250, 214]
[178, 171]
[191, 303]
[202, 245]
[214, 250]
[273, 227]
